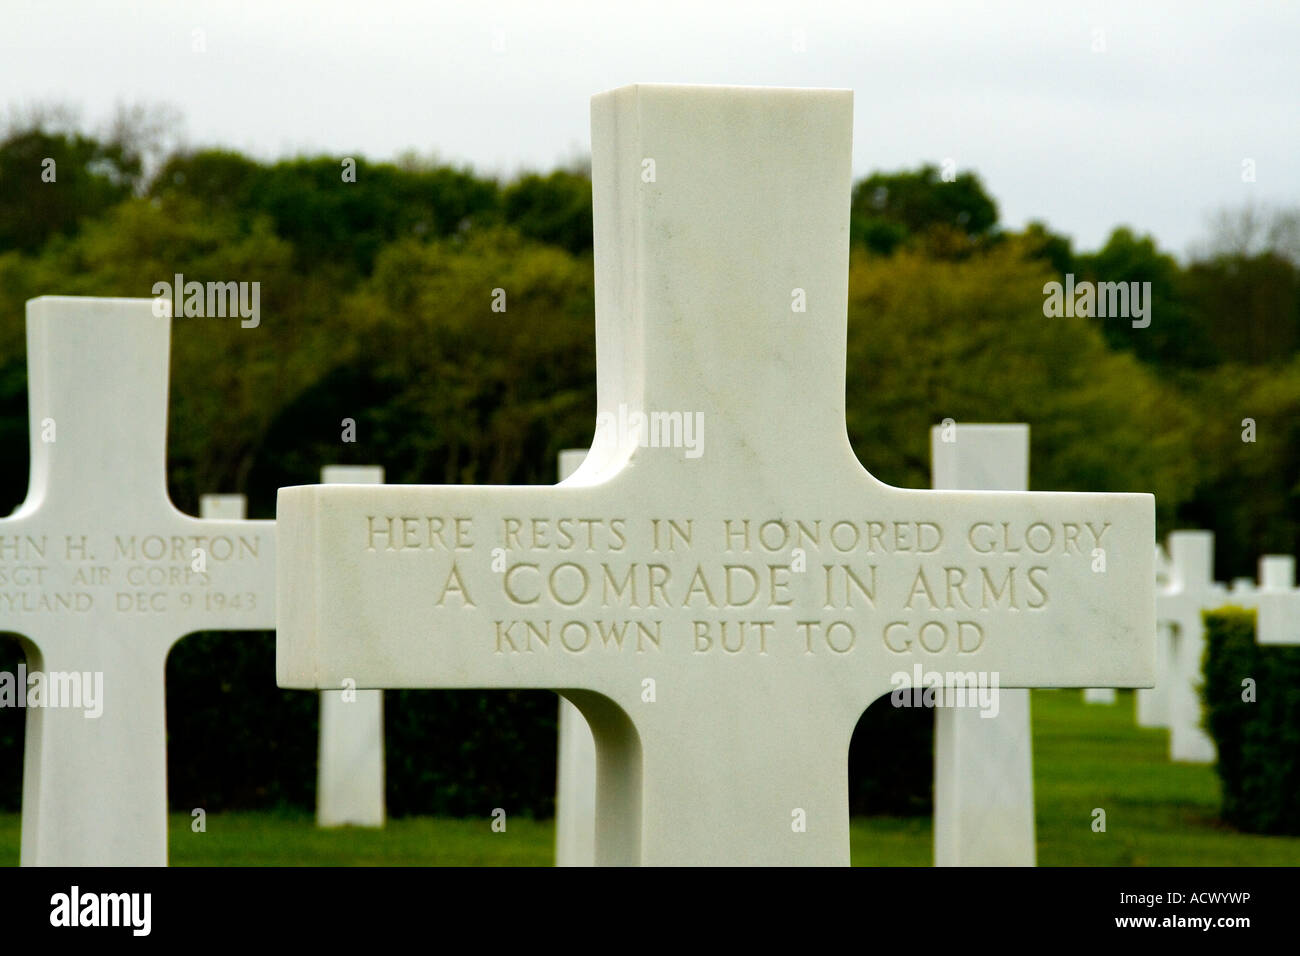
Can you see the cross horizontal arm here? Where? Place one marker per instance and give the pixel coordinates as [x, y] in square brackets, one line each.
[578, 587]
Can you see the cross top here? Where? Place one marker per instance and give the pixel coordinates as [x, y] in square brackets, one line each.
[1276, 572]
[719, 274]
[1191, 558]
[76, 356]
[1278, 601]
[723, 618]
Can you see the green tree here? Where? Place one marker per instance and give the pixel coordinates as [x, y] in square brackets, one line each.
[890, 209]
[336, 212]
[442, 387]
[554, 209]
[88, 177]
[1039, 242]
[1248, 305]
[1178, 336]
[1248, 490]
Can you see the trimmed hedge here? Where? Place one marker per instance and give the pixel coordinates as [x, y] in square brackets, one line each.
[1259, 740]
[238, 742]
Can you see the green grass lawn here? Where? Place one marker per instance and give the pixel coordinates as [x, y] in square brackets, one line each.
[1088, 756]
[1157, 814]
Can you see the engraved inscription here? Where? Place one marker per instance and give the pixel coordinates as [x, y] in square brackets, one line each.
[740, 585]
[126, 573]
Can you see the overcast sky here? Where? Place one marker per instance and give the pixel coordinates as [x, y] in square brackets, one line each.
[1150, 130]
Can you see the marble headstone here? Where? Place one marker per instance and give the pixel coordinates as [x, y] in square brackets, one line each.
[1274, 600]
[350, 766]
[1152, 703]
[1192, 589]
[721, 588]
[1278, 602]
[983, 757]
[106, 576]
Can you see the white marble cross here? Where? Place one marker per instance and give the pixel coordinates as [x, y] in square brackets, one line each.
[1276, 601]
[721, 589]
[104, 575]
[1192, 589]
[983, 757]
[1152, 705]
[350, 768]
[575, 763]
